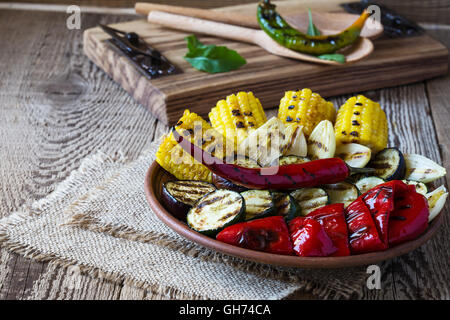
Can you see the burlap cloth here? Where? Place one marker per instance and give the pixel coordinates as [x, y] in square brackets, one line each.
[98, 222]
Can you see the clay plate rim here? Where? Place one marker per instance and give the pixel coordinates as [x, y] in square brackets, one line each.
[152, 192]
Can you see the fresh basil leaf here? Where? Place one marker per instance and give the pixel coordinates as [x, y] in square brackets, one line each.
[211, 58]
[333, 56]
[312, 29]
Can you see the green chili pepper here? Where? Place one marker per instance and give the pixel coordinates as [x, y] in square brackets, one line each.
[280, 31]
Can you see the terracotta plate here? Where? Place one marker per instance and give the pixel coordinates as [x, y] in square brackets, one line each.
[156, 176]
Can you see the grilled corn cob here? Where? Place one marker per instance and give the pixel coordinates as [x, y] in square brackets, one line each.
[175, 160]
[360, 120]
[237, 116]
[306, 108]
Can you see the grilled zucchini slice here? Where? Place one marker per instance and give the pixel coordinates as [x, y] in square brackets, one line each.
[310, 199]
[420, 186]
[245, 161]
[367, 183]
[389, 164]
[342, 192]
[179, 196]
[215, 211]
[291, 159]
[258, 204]
[286, 205]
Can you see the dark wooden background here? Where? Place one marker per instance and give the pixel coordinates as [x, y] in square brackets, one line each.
[30, 33]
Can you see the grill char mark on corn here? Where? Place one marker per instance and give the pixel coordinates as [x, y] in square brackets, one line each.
[237, 115]
[365, 122]
[307, 108]
[175, 160]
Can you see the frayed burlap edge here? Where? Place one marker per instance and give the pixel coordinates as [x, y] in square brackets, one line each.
[156, 290]
[90, 223]
[39, 207]
[32, 253]
[84, 221]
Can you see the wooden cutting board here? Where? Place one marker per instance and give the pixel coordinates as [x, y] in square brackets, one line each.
[394, 62]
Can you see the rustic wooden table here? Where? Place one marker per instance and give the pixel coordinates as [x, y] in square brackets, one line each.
[42, 65]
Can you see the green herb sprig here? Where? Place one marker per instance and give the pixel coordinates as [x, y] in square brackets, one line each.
[211, 58]
[313, 31]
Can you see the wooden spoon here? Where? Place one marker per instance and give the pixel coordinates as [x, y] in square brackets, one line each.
[361, 49]
[327, 22]
[234, 18]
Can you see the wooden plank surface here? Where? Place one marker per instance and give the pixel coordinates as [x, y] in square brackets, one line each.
[207, 4]
[44, 82]
[394, 62]
[432, 11]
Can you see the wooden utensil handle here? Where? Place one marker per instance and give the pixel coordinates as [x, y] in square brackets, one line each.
[225, 17]
[190, 24]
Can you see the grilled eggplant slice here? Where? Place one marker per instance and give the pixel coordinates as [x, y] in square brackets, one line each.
[215, 211]
[310, 199]
[223, 183]
[354, 154]
[258, 204]
[420, 186]
[422, 169]
[436, 201]
[286, 205]
[367, 183]
[179, 196]
[389, 164]
[342, 192]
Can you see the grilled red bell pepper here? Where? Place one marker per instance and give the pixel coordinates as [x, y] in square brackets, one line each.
[409, 218]
[400, 214]
[394, 208]
[332, 219]
[380, 201]
[291, 176]
[267, 234]
[363, 234]
[310, 239]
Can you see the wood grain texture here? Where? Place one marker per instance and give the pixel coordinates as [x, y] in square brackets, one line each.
[130, 3]
[431, 11]
[207, 4]
[394, 62]
[438, 96]
[37, 76]
[49, 127]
